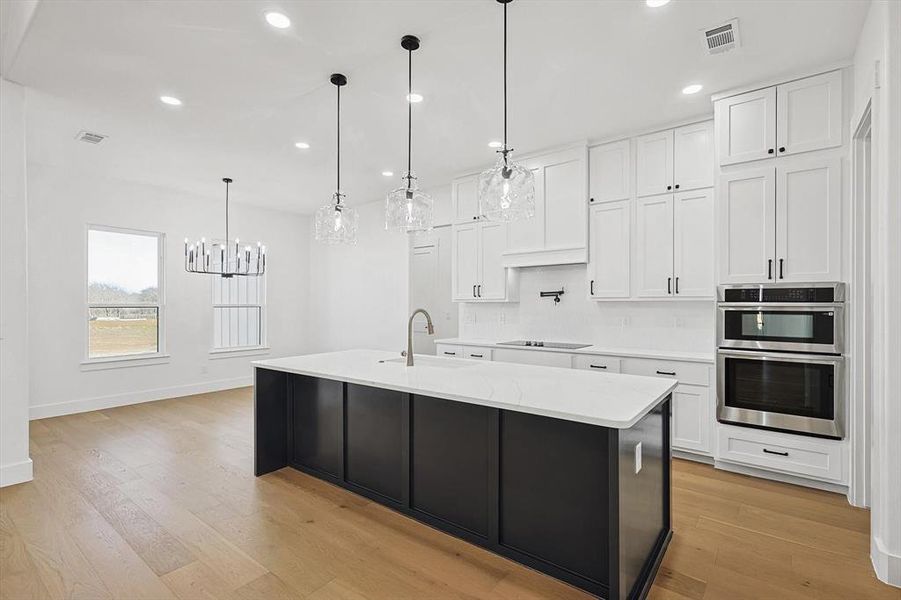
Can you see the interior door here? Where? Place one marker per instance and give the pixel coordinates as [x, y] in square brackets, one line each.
[430, 288]
[492, 275]
[610, 172]
[654, 247]
[466, 199]
[809, 114]
[808, 220]
[747, 226]
[746, 126]
[654, 163]
[693, 156]
[609, 263]
[466, 261]
[693, 244]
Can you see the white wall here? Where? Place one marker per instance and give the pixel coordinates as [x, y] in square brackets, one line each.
[635, 325]
[61, 204]
[359, 294]
[15, 465]
[880, 41]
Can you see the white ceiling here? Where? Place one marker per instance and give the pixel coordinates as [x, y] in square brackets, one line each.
[578, 70]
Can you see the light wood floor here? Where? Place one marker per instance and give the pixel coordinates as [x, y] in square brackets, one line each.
[159, 500]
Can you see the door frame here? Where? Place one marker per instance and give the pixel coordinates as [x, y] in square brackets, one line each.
[860, 387]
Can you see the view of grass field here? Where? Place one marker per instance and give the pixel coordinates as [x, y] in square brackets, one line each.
[113, 337]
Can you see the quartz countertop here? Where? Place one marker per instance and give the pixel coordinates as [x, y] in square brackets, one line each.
[606, 399]
[703, 357]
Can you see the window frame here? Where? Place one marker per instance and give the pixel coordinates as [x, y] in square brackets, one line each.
[258, 349]
[126, 360]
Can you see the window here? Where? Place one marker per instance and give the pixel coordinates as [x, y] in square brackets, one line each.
[238, 319]
[125, 291]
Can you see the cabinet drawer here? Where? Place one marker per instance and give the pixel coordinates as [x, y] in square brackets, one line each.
[449, 351]
[685, 372]
[808, 457]
[604, 364]
[532, 357]
[477, 353]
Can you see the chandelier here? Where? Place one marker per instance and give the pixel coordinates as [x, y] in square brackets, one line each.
[407, 208]
[506, 191]
[224, 258]
[335, 222]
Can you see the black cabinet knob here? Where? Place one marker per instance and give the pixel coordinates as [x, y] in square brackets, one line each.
[677, 186]
[669, 187]
[591, 199]
[770, 151]
[781, 148]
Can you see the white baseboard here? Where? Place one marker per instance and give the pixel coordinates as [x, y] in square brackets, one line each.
[692, 456]
[43, 411]
[886, 564]
[783, 477]
[14, 473]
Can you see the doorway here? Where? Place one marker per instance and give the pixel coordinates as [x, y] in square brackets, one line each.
[430, 287]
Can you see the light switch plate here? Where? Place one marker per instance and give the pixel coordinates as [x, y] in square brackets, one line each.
[637, 458]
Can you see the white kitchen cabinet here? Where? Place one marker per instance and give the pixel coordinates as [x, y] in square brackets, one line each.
[782, 223]
[772, 450]
[693, 254]
[475, 353]
[746, 126]
[610, 172]
[797, 116]
[692, 418]
[532, 357]
[654, 246]
[609, 256]
[693, 162]
[558, 233]
[747, 226]
[449, 350]
[809, 114]
[601, 364]
[465, 198]
[808, 220]
[478, 275]
[654, 163]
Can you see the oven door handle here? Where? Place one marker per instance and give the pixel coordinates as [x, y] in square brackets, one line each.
[763, 355]
[781, 306]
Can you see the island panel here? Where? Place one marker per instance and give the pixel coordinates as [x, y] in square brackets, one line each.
[270, 422]
[451, 461]
[374, 439]
[317, 407]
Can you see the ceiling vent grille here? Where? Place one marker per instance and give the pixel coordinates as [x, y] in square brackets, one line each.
[90, 137]
[722, 38]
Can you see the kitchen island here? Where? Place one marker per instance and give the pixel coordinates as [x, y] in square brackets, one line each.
[565, 471]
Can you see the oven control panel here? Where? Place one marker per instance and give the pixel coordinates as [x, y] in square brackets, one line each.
[779, 294]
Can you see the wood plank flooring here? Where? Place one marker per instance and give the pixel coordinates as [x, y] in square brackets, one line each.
[159, 501]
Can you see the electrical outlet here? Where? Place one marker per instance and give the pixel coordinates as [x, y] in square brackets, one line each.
[637, 458]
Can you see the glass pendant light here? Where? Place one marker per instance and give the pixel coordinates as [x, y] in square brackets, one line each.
[407, 208]
[506, 191]
[336, 223]
[224, 258]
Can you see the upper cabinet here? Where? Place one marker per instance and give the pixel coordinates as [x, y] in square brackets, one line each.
[609, 264]
[465, 198]
[674, 160]
[477, 273]
[558, 233]
[610, 172]
[794, 117]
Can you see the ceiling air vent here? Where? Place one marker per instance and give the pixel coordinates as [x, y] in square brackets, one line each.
[90, 137]
[721, 38]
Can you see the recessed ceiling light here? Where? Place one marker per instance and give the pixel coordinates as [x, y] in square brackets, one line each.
[170, 100]
[414, 98]
[278, 20]
[656, 3]
[302, 145]
[495, 144]
[692, 89]
[388, 173]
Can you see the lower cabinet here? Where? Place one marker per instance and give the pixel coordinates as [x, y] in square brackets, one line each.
[373, 439]
[692, 418]
[449, 350]
[533, 357]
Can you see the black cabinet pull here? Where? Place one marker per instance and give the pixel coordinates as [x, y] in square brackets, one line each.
[479, 290]
[781, 148]
[670, 373]
[598, 366]
[473, 291]
[769, 268]
[477, 355]
[451, 353]
[770, 151]
[677, 186]
[591, 199]
[781, 274]
[768, 451]
[591, 287]
[669, 281]
[677, 285]
[669, 187]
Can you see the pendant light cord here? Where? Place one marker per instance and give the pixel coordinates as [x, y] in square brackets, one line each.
[226, 213]
[505, 83]
[338, 136]
[409, 117]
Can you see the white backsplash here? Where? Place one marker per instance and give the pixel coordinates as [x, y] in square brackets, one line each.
[663, 325]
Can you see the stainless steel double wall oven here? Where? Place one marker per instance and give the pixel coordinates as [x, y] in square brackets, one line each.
[779, 357]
